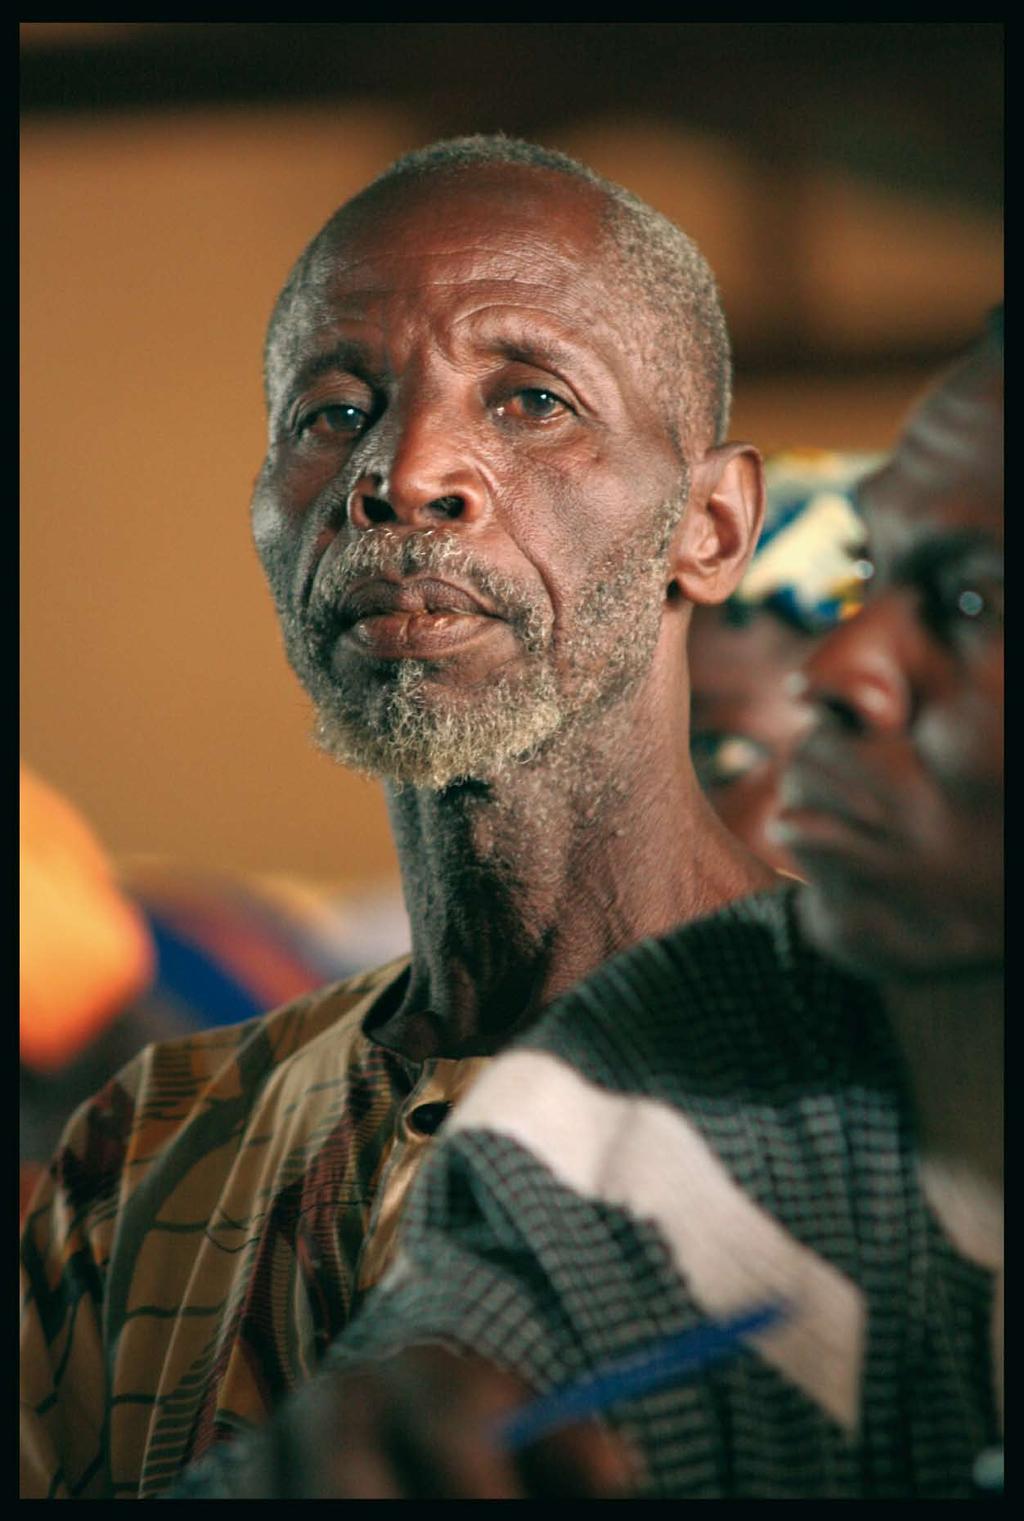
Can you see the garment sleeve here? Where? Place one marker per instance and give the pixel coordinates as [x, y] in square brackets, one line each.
[492, 1260]
[65, 1247]
[491, 1254]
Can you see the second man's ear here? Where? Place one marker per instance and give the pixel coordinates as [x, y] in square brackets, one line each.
[713, 543]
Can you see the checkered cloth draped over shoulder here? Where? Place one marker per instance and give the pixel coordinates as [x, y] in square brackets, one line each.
[713, 1120]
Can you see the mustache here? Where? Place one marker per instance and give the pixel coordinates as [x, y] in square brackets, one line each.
[427, 551]
[826, 777]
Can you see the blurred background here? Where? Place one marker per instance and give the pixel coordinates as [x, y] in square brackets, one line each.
[844, 180]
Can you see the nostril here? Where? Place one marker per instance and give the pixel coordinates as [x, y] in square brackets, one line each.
[845, 715]
[447, 506]
[376, 510]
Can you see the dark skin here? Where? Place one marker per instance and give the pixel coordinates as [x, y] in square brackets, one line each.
[422, 1426]
[745, 720]
[894, 803]
[465, 361]
[909, 714]
[894, 808]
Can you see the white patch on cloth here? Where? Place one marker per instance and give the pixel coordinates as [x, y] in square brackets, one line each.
[645, 1157]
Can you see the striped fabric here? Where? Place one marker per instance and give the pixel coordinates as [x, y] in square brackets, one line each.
[206, 1226]
[713, 1120]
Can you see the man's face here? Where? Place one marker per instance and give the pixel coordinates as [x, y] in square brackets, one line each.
[469, 489]
[745, 720]
[893, 806]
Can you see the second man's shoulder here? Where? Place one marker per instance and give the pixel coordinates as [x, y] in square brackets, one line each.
[723, 997]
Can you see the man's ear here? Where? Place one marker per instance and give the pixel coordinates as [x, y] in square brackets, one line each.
[713, 544]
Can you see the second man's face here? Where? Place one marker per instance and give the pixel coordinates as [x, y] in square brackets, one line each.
[893, 806]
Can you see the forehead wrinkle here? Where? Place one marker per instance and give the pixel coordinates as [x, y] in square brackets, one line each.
[321, 306]
[514, 331]
[934, 467]
[385, 292]
[501, 265]
[540, 251]
[507, 324]
[900, 522]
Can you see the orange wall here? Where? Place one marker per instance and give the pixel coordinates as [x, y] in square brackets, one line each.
[154, 690]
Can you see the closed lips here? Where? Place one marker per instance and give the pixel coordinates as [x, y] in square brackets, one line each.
[805, 790]
[373, 599]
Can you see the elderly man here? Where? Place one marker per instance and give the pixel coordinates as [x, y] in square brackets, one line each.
[495, 486]
[720, 1120]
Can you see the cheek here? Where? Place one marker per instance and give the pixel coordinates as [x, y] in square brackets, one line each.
[291, 486]
[957, 817]
[564, 516]
[746, 808]
[593, 493]
[271, 527]
[961, 744]
[277, 535]
[773, 718]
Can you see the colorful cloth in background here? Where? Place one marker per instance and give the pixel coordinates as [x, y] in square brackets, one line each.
[85, 948]
[112, 963]
[203, 948]
[229, 947]
[806, 564]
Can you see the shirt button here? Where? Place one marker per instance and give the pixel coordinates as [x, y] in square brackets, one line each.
[426, 1118]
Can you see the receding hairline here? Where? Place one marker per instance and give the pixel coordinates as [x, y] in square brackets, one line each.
[693, 357]
[390, 190]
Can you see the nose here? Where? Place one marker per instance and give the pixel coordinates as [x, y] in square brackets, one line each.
[420, 474]
[861, 672]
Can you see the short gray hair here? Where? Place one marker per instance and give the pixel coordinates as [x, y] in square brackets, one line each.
[693, 360]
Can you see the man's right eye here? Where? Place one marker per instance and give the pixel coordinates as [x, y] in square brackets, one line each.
[333, 420]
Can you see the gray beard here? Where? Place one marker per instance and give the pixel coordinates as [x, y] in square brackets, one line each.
[401, 733]
[402, 727]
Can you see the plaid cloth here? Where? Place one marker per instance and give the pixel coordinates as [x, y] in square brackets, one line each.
[713, 1120]
[204, 1230]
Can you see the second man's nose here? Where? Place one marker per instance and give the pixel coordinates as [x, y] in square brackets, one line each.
[861, 671]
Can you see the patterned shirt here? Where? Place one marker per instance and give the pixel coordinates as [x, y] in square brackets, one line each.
[712, 1121]
[207, 1224]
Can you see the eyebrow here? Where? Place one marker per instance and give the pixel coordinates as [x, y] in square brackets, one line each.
[510, 335]
[349, 355]
[541, 354]
[931, 556]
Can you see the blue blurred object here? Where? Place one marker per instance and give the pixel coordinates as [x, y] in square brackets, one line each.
[666, 1362]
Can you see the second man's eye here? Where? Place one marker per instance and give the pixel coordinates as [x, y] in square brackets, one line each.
[720, 759]
[958, 606]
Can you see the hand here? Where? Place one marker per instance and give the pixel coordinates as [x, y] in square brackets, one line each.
[421, 1425]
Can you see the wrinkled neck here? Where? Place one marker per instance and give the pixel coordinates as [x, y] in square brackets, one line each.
[517, 888]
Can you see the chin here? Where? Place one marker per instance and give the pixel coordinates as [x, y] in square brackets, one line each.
[414, 736]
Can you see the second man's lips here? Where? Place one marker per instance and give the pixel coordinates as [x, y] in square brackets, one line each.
[379, 597]
[810, 788]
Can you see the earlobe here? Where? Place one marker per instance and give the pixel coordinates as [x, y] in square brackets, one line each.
[719, 530]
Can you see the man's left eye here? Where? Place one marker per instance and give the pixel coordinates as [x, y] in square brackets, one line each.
[533, 403]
